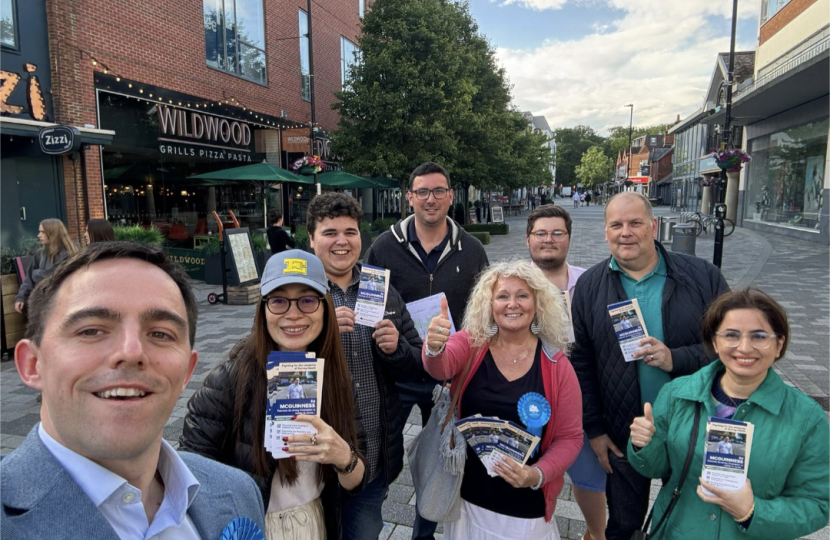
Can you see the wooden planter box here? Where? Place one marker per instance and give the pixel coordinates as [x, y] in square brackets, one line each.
[14, 324]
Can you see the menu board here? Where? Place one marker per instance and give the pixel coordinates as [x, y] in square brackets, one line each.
[497, 214]
[241, 254]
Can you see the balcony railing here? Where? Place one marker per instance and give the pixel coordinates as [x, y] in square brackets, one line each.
[794, 62]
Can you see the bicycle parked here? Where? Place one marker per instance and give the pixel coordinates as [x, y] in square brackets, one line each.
[704, 222]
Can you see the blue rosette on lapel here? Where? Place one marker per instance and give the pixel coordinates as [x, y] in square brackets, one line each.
[534, 412]
[242, 529]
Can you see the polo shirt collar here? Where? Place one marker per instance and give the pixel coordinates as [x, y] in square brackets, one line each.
[660, 269]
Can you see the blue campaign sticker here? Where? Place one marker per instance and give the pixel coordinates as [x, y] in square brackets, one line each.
[242, 529]
[534, 412]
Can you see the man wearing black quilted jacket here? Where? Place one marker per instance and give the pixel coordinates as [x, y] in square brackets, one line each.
[673, 291]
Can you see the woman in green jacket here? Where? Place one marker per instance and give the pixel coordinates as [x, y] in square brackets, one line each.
[787, 491]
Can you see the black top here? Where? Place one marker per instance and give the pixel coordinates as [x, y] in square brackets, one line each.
[430, 259]
[490, 394]
[279, 240]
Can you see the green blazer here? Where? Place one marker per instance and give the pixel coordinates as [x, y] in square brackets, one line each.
[788, 464]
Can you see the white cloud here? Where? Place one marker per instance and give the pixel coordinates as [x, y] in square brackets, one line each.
[538, 5]
[659, 54]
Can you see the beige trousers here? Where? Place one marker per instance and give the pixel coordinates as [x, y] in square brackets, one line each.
[299, 523]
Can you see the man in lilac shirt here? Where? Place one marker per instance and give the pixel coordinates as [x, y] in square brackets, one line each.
[549, 239]
[109, 344]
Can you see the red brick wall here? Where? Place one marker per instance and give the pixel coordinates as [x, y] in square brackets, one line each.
[661, 168]
[162, 43]
[781, 19]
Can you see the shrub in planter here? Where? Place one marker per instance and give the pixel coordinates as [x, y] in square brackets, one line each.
[213, 262]
[492, 228]
[383, 224]
[138, 234]
[302, 239]
[483, 236]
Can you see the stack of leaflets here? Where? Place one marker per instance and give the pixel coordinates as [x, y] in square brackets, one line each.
[424, 310]
[371, 295]
[493, 439]
[629, 326]
[295, 386]
[726, 455]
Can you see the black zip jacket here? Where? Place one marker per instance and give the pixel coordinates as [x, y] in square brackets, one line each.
[455, 275]
[610, 385]
[404, 364]
[210, 430]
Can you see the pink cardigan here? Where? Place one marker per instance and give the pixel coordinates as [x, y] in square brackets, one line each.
[563, 434]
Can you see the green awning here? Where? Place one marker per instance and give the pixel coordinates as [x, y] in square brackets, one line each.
[256, 172]
[385, 182]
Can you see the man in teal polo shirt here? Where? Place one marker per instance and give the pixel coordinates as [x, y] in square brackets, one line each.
[673, 291]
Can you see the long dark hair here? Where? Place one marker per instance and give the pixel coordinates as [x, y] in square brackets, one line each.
[57, 239]
[337, 409]
[100, 230]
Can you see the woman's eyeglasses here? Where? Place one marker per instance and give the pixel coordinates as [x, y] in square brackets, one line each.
[279, 305]
[758, 340]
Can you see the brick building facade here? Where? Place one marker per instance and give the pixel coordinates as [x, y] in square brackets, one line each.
[105, 52]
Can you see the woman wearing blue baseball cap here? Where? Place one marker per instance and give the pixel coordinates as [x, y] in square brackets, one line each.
[226, 417]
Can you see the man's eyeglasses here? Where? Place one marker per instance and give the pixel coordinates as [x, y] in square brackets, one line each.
[279, 305]
[759, 340]
[554, 236]
[438, 193]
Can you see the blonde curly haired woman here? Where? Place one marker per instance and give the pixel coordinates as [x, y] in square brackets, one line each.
[515, 330]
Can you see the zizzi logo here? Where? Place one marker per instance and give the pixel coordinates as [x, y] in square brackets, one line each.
[51, 139]
[34, 96]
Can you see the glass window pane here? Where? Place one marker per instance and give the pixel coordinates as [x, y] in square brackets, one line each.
[8, 34]
[361, 7]
[347, 58]
[252, 63]
[250, 24]
[230, 37]
[214, 49]
[304, 57]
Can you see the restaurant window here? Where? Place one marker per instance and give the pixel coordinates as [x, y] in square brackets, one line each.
[786, 176]
[348, 57]
[8, 24]
[235, 38]
[305, 57]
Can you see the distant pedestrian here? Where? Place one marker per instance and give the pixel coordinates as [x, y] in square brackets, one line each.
[278, 238]
[582, 198]
[588, 199]
[576, 199]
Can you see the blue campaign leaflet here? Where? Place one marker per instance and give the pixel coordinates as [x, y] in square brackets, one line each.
[629, 326]
[295, 386]
[726, 454]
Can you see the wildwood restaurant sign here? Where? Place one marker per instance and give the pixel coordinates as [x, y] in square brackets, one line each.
[191, 133]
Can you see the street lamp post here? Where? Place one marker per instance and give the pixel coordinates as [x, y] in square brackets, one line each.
[312, 133]
[720, 208]
[630, 131]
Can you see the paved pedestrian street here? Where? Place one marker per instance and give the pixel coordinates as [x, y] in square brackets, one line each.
[793, 271]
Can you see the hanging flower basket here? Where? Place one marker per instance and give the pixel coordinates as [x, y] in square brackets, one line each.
[309, 164]
[706, 181]
[730, 160]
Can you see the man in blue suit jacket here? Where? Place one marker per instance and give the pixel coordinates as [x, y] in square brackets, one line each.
[109, 345]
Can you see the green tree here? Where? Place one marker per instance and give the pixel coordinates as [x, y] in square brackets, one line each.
[428, 88]
[571, 143]
[595, 167]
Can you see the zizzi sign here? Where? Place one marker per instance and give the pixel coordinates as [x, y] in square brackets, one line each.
[178, 125]
[58, 140]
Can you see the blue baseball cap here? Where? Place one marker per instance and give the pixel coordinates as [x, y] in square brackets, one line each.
[294, 266]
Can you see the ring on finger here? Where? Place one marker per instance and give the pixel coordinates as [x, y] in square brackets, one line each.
[440, 329]
[313, 439]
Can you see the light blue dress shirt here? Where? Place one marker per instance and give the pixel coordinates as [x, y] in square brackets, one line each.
[120, 503]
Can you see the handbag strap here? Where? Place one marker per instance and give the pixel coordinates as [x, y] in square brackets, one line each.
[456, 394]
[676, 493]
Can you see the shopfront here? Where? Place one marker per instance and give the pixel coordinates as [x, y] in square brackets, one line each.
[163, 139]
[785, 179]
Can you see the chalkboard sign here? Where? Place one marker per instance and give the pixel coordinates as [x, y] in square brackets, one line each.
[497, 214]
[241, 260]
[473, 218]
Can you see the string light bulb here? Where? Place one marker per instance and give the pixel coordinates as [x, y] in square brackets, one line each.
[94, 63]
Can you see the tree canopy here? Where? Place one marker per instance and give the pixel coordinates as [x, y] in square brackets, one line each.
[427, 88]
[571, 143]
[595, 167]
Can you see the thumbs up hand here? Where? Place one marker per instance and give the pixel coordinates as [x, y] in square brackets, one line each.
[438, 331]
[642, 429]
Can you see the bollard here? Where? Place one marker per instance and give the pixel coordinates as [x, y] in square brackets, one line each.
[665, 229]
[684, 239]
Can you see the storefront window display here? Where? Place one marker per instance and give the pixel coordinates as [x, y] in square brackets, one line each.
[786, 176]
[147, 169]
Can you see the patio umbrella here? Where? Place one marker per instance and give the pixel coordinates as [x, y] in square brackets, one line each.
[259, 173]
[384, 182]
[346, 180]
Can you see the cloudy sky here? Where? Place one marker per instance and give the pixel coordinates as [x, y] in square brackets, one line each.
[581, 61]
